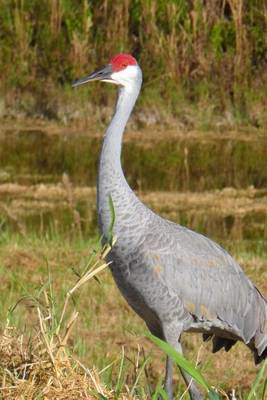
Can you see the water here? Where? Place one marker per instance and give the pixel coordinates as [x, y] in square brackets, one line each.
[47, 181]
[194, 163]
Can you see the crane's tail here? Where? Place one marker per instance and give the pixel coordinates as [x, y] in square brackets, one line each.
[260, 352]
[260, 340]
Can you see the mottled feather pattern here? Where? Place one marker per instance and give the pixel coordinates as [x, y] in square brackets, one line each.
[186, 263]
[210, 285]
[175, 279]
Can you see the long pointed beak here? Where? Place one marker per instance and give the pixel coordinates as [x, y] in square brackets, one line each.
[101, 74]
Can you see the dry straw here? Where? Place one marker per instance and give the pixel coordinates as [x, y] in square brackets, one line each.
[43, 367]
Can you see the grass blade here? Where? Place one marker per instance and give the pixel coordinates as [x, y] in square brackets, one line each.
[260, 374]
[120, 375]
[160, 392]
[185, 365]
[138, 377]
[112, 212]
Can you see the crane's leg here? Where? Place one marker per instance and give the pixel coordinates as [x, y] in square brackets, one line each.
[173, 339]
[190, 383]
[169, 378]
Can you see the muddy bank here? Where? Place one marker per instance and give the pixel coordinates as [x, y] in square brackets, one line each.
[154, 160]
[224, 214]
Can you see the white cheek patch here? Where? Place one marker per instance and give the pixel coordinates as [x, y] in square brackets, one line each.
[126, 75]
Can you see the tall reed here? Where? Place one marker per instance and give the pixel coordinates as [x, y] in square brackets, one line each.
[216, 49]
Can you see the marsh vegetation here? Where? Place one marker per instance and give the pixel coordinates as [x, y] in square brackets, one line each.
[204, 63]
[195, 152]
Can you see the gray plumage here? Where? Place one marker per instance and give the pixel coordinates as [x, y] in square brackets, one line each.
[175, 279]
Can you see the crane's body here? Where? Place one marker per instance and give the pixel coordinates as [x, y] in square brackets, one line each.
[175, 279]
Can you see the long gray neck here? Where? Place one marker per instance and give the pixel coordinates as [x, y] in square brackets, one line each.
[111, 180]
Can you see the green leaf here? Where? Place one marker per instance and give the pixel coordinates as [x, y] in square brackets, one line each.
[112, 222]
[101, 396]
[160, 391]
[213, 395]
[185, 365]
[259, 376]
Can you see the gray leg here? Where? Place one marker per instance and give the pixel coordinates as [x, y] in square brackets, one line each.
[168, 378]
[172, 337]
[190, 383]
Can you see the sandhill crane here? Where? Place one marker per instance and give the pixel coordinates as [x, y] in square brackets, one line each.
[175, 279]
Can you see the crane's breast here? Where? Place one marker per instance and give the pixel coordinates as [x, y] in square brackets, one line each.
[139, 280]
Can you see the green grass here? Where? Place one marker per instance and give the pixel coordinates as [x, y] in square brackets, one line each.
[108, 332]
[257, 390]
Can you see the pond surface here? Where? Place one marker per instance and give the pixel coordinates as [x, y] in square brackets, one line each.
[47, 180]
[169, 162]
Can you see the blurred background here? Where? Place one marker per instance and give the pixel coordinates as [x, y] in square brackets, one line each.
[204, 62]
[195, 148]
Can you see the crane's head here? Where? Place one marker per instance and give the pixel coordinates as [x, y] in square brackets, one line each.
[121, 70]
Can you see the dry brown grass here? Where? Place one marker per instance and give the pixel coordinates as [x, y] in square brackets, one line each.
[227, 213]
[26, 371]
[45, 366]
[106, 324]
[42, 366]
